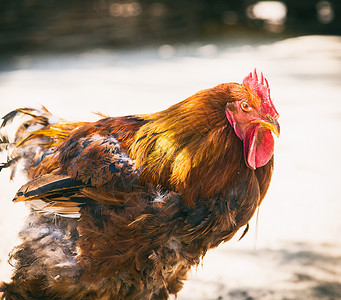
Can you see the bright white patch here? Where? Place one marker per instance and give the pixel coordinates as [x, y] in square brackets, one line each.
[66, 215]
[34, 127]
[54, 120]
[37, 205]
[66, 264]
[159, 197]
[96, 137]
[45, 208]
[272, 11]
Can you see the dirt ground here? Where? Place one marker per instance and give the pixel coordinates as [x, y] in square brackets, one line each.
[293, 248]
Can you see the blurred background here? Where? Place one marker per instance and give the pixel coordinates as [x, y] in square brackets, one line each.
[77, 57]
[65, 24]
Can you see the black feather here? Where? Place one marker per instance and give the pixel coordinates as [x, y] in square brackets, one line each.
[9, 118]
[46, 185]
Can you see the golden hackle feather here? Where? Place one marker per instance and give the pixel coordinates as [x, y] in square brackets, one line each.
[51, 135]
[182, 146]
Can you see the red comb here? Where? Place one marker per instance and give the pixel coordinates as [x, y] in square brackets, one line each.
[261, 87]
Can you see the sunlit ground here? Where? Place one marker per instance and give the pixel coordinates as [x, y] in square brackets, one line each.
[293, 252]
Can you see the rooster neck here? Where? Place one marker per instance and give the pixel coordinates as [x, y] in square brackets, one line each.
[192, 149]
[195, 162]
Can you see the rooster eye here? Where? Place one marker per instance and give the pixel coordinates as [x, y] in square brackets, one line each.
[246, 107]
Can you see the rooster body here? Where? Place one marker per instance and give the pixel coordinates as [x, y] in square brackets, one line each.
[123, 207]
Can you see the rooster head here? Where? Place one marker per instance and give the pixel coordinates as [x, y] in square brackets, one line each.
[253, 117]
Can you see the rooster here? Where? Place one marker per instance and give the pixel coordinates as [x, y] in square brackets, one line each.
[123, 207]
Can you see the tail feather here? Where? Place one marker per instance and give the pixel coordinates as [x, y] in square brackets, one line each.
[36, 135]
[37, 119]
[8, 118]
[6, 145]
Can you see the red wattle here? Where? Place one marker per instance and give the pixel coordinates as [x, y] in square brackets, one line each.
[258, 146]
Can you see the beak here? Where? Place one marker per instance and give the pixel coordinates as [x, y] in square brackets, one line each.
[273, 126]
